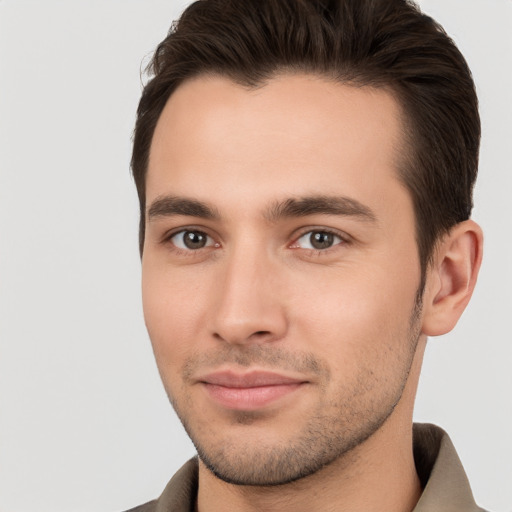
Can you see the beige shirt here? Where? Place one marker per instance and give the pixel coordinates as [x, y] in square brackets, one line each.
[445, 485]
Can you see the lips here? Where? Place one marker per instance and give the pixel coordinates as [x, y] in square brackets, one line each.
[248, 391]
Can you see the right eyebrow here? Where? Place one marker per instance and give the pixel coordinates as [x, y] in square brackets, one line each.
[168, 206]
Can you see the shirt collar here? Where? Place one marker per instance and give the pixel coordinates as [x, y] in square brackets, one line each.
[446, 487]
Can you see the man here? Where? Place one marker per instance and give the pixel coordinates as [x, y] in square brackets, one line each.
[305, 172]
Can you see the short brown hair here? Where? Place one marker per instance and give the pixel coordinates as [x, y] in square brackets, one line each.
[376, 43]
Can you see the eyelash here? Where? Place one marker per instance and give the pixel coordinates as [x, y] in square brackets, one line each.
[188, 252]
[344, 240]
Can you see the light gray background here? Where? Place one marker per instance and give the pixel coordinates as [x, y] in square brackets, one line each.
[84, 422]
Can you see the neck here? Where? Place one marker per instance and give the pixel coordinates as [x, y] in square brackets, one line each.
[377, 476]
[386, 482]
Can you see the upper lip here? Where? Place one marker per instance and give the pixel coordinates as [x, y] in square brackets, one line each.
[251, 379]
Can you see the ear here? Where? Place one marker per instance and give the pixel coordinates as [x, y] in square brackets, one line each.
[452, 277]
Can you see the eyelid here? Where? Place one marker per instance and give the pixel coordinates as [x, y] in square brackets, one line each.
[170, 234]
[345, 239]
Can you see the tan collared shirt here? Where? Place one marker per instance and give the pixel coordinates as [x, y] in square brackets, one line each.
[445, 485]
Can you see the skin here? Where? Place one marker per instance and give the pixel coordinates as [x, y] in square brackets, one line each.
[254, 292]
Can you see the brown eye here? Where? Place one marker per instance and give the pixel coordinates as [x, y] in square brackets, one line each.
[318, 240]
[191, 240]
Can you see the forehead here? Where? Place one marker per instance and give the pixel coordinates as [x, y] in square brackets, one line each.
[216, 135]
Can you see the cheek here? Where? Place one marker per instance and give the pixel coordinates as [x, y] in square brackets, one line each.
[363, 334]
[356, 310]
[172, 312]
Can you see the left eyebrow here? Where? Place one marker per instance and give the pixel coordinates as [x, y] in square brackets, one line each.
[320, 205]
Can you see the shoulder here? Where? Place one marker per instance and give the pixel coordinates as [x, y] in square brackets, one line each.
[147, 507]
[180, 493]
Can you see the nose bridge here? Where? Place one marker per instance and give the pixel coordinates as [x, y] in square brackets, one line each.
[248, 307]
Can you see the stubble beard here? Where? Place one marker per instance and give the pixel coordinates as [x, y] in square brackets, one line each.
[329, 434]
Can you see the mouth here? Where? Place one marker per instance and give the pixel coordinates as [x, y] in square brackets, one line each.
[249, 391]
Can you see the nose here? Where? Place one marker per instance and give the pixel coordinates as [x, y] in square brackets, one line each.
[249, 307]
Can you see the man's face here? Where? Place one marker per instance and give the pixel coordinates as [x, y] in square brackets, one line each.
[280, 271]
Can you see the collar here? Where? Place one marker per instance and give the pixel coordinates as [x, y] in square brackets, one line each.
[445, 484]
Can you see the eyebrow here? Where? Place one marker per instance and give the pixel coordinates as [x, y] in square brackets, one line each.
[167, 206]
[320, 205]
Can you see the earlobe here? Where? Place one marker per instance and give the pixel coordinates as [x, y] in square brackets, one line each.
[452, 277]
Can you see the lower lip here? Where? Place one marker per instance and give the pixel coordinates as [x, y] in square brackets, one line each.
[249, 399]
